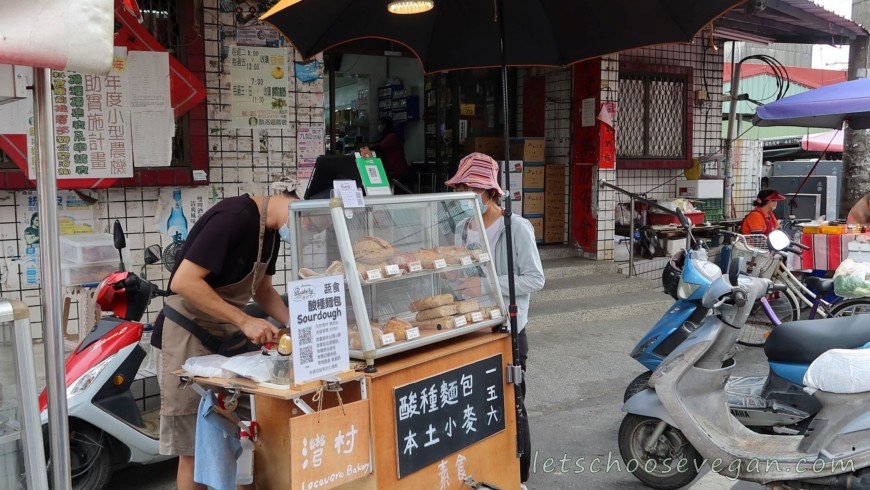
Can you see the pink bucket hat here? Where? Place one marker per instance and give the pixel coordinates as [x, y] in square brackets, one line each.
[479, 171]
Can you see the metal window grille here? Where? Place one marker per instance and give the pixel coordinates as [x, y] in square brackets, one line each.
[165, 19]
[652, 119]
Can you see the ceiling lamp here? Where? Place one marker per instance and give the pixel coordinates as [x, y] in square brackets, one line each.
[407, 7]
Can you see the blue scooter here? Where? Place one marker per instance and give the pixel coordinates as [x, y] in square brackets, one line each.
[776, 402]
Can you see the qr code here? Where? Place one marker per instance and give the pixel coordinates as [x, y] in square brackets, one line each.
[306, 354]
[305, 335]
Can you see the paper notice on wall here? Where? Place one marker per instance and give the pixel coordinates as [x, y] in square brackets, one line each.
[309, 146]
[179, 208]
[587, 112]
[149, 80]
[152, 137]
[75, 216]
[259, 89]
[93, 133]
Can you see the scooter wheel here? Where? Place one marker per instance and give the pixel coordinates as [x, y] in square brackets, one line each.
[671, 463]
[638, 384]
[90, 461]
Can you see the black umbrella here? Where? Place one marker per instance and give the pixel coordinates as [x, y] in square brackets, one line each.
[462, 34]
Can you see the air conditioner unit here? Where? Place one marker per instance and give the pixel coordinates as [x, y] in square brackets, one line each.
[13, 83]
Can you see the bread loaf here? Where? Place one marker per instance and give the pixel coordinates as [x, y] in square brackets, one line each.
[355, 342]
[439, 311]
[467, 306]
[372, 250]
[397, 327]
[452, 255]
[443, 323]
[431, 302]
[427, 258]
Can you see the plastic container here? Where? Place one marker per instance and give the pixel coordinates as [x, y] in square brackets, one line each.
[833, 229]
[245, 463]
[652, 219]
[73, 274]
[279, 369]
[88, 249]
[859, 251]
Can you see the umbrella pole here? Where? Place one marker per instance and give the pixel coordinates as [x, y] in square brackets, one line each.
[52, 299]
[516, 369]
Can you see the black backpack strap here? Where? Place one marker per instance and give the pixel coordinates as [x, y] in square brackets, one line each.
[210, 342]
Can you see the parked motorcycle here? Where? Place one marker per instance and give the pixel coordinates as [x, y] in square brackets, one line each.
[684, 419]
[110, 427]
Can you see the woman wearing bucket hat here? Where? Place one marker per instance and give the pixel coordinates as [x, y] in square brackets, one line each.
[478, 173]
[761, 218]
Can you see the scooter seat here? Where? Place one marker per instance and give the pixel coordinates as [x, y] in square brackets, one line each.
[805, 340]
[820, 285]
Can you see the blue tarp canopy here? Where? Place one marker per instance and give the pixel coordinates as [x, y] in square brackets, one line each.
[825, 107]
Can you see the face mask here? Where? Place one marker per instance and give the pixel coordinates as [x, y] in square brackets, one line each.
[284, 233]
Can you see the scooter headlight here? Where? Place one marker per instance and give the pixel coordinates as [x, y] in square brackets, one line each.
[85, 380]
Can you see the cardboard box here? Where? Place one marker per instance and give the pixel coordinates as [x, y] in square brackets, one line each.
[533, 203]
[533, 177]
[490, 145]
[516, 180]
[538, 225]
[517, 200]
[554, 235]
[555, 173]
[555, 209]
[528, 149]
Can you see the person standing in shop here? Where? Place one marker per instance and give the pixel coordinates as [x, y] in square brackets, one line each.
[228, 259]
[860, 212]
[761, 219]
[478, 173]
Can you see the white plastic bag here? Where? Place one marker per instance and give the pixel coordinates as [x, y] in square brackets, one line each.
[250, 365]
[850, 279]
[206, 366]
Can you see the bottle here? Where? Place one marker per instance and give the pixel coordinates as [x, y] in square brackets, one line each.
[245, 463]
[177, 223]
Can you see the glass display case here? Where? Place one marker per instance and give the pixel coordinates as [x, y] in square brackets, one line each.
[417, 271]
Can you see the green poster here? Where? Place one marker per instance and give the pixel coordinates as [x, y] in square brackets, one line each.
[374, 177]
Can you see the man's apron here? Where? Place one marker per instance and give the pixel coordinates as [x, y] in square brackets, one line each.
[180, 345]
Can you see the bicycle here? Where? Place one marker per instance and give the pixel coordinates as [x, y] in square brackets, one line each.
[788, 305]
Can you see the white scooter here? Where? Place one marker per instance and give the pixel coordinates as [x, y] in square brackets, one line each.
[683, 421]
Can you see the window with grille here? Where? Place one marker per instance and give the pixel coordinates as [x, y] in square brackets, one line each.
[654, 114]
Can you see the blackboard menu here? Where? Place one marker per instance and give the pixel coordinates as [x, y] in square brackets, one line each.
[445, 413]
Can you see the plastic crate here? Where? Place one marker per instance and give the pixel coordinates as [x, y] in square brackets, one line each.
[652, 219]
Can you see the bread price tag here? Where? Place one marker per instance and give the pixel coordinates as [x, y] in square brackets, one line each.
[484, 257]
[459, 321]
[388, 338]
[374, 274]
[466, 260]
[415, 266]
[440, 263]
[392, 269]
[495, 314]
[412, 333]
[477, 317]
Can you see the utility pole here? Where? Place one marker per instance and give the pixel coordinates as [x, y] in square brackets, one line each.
[856, 143]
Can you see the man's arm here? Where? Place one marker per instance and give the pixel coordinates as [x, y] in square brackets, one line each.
[270, 301]
[189, 283]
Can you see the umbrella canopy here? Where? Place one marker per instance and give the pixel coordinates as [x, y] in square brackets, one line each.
[825, 107]
[458, 34]
[829, 141]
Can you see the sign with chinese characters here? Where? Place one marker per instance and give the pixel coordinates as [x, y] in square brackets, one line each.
[318, 326]
[259, 96]
[309, 146]
[92, 123]
[331, 447]
[445, 413]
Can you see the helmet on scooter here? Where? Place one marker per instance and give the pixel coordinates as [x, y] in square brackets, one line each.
[671, 273]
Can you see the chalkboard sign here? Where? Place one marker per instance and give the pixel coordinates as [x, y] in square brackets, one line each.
[445, 413]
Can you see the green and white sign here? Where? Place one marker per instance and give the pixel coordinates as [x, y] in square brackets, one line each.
[374, 177]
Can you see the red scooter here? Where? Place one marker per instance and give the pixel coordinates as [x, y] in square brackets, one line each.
[113, 400]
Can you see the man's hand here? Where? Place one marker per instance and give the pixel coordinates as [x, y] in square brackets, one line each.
[259, 331]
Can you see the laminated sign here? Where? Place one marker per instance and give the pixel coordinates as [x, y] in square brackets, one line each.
[318, 326]
[445, 413]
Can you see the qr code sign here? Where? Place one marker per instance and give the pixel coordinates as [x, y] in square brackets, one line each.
[305, 335]
[306, 354]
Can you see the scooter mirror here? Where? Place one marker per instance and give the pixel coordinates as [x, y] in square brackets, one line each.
[734, 268]
[153, 254]
[778, 240]
[683, 220]
[118, 234]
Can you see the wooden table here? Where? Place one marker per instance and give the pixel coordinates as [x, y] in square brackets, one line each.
[384, 395]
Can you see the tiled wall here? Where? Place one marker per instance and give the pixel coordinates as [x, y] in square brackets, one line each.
[240, 161]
